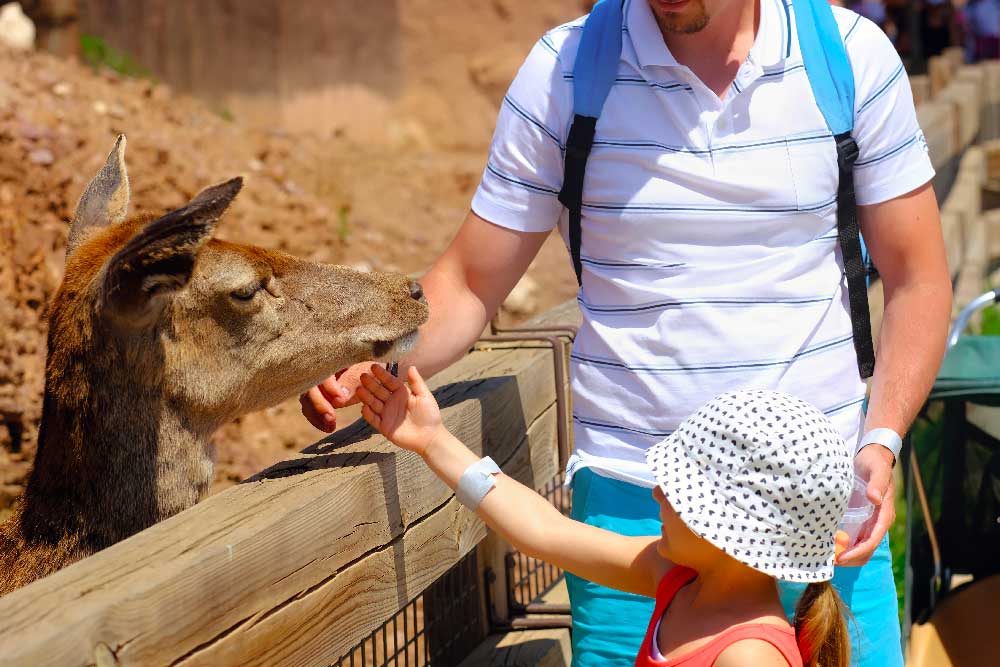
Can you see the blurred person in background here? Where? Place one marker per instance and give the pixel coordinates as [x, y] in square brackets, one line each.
[938, 27]
[984, 24]
[897, 26]
[873, 10]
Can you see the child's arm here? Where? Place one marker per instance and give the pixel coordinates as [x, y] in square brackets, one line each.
[411, 419]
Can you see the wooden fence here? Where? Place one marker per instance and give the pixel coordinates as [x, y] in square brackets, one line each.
[299, 564]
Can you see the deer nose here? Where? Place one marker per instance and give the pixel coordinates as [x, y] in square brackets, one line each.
[416, 291]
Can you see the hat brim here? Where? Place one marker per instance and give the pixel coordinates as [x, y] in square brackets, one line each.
[701, 497]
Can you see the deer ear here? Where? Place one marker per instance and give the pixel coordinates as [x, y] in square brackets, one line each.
[159, 260]
[105, 200]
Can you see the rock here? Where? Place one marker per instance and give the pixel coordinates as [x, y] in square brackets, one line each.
[291, 187]
[16, 30]
[373, 236]
[100, 107]
[62, 89]
[364, 267]
[41, 156]
[32, 131]
[161, 92]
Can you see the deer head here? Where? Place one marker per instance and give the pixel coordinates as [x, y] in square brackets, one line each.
[160, 333]
[232, 327]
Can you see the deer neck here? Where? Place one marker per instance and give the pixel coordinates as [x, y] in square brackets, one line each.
[114, 463]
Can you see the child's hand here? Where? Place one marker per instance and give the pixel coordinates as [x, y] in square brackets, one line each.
[408, 417]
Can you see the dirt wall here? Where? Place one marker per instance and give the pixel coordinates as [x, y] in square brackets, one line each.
[385, 191]
[382, 71]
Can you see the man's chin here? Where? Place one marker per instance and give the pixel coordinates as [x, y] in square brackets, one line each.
[684, 26]
[691, 19]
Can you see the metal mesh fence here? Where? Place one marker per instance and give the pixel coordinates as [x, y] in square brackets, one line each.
[446, 622]
[531, 578]
[439, 628]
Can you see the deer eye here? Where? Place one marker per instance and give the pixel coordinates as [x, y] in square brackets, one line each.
[245, 294]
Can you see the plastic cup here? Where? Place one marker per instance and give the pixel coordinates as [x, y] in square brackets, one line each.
[859, 510]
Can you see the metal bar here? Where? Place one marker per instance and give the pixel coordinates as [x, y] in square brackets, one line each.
[928, 522]
[569, 329]
[385, 646]
[962, 321]
[513, 606]
[406, 640]
[559, 371]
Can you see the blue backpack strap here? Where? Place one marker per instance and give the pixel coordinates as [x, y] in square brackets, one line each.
[832, 81]
[594, 72]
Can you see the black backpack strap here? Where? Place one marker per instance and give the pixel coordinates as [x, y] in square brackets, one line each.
[578, 145]
[849, 238]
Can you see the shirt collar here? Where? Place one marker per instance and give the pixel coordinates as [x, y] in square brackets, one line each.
[647, 40]
[770, 47]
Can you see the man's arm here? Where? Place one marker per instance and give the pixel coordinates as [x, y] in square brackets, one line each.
[464, 288]
[905, 241]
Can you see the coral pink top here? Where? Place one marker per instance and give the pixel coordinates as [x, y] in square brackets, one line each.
[782, 638]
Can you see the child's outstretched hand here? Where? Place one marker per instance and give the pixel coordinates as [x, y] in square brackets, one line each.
[408, 416]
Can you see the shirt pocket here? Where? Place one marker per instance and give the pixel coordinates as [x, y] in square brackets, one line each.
[752, 178]
[812, 159]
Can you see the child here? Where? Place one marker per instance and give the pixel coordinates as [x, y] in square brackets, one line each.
[751, 488]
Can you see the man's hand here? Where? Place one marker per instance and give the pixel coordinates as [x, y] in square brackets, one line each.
[337, 391]
[873, 463]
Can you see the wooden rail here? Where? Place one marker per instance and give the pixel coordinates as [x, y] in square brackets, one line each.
[297, 565]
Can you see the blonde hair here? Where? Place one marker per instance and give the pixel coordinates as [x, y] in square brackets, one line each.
[821, 627]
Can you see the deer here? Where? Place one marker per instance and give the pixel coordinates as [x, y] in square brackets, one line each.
[160, 333]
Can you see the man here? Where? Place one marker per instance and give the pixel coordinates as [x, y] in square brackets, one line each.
[710, 263]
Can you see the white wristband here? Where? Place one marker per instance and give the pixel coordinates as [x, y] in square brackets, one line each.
[882, 436]
[476, 482]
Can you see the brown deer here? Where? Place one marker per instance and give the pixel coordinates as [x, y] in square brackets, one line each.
[157, 336]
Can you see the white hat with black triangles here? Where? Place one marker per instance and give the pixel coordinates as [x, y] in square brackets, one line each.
[763, 476]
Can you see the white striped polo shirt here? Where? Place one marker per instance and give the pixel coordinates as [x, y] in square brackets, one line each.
[710, 255]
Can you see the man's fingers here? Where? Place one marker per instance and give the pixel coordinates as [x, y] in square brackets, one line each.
[337, 394]
[860, 553]
[417, 384]
[374, 387]
[371, 402]
[878, 485]
[318, 410]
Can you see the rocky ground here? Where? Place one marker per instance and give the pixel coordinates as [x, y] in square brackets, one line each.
[324, 198]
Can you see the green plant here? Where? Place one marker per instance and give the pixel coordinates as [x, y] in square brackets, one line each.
[991, 321]
[897, 546]
[100, 55]
[343, 222]
[226, 115]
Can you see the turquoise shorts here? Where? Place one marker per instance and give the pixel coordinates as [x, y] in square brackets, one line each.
[609, 626]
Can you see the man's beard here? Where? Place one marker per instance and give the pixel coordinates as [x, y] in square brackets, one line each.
[684, 25]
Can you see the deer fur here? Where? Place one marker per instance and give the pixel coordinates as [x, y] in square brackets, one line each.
[158, 335]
